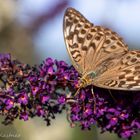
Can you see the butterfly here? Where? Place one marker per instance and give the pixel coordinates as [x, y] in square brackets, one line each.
[100, 55]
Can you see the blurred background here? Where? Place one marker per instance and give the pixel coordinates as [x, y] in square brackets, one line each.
[31, 30]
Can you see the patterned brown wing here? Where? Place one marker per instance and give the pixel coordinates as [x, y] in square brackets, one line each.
[91, 48]
[75, 29]
[124, 76]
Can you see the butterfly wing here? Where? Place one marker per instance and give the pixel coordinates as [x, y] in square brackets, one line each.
[75, 28]
[124, 75]
[91, 48]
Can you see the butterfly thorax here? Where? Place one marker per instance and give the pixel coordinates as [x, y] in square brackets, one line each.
[87, 79]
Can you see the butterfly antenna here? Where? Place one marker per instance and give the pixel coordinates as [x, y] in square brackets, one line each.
[112, 95]
[94, 99]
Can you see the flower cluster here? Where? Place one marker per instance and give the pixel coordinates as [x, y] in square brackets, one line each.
[113, 111]
[50, 88]
[27, 91]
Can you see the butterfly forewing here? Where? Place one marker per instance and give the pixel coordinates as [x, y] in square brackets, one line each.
[90, 46]
[75, 30]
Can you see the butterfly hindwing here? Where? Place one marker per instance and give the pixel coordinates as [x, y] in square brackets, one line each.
[125, 75]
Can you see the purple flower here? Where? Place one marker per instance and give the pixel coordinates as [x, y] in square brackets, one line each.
[127, 133]
[5, 60]
[66, 76]
[82, 95]
[61, 64]
[23, 99]
[85, 124]
[5, 56]
[44, 99]
[100, 111]
[10, 91]
[24, 116]
[40, 111]
[9, 104]
[34, 89]
[88, 111]
[113, 121]
[75, 84]
[135, 124]
[75, 117]
[49, 62]
[76, 108]
[92, 121]
[50, 88]
[50, 70]
[114, 111]
[123, 116]
[61, 99]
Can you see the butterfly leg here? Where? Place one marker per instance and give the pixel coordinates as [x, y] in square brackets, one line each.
[94, 99]
[76, 93]
[68, 112]
[112, 95]
[70, 100]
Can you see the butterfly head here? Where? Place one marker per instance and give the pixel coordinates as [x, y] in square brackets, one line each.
[87, 79]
